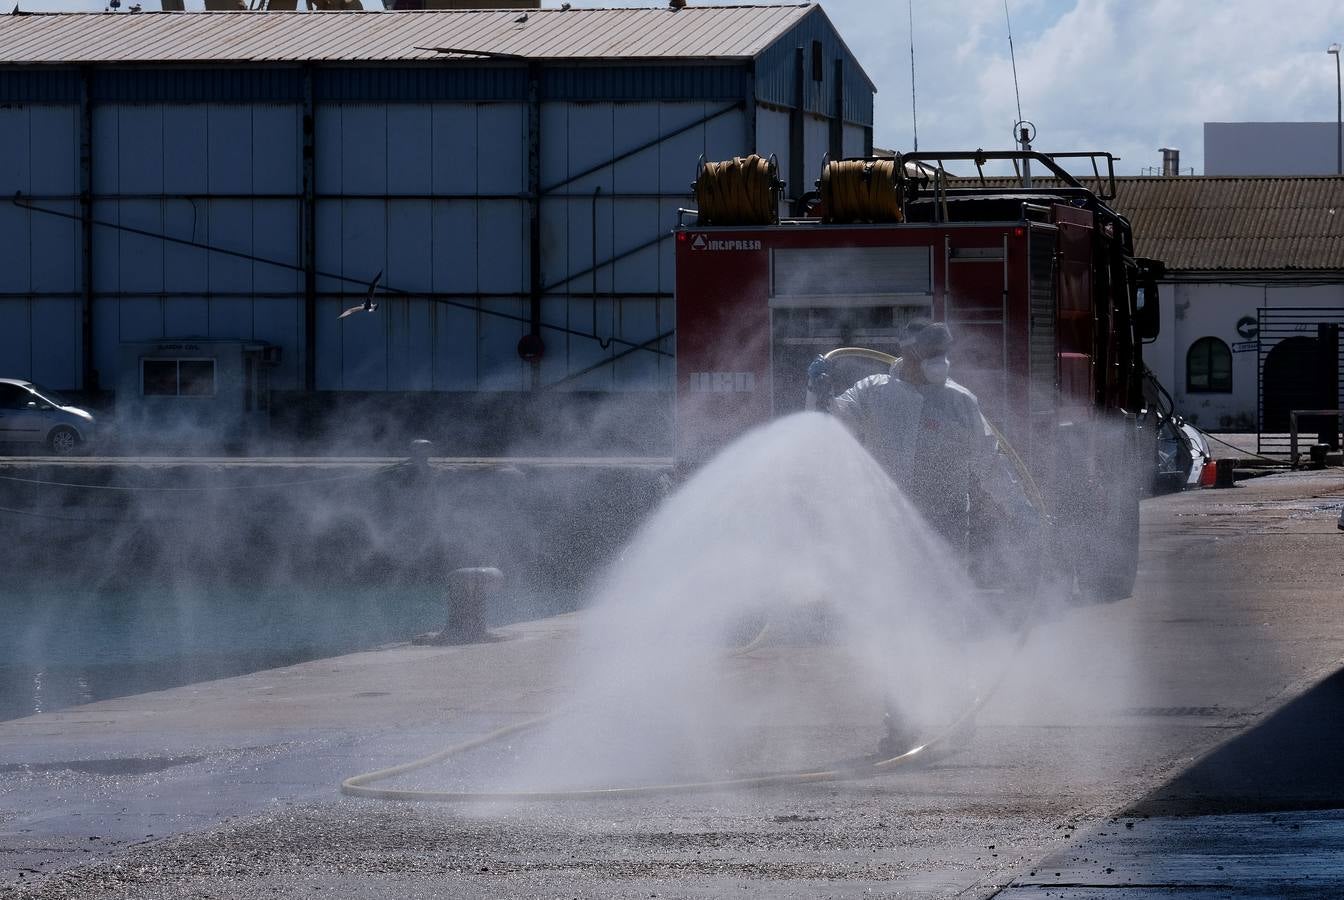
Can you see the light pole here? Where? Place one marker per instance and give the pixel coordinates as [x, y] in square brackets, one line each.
[1333, 50]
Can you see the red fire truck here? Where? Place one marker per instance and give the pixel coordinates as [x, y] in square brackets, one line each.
[1040, 286]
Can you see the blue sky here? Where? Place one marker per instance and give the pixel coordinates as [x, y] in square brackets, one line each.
[1128, 76]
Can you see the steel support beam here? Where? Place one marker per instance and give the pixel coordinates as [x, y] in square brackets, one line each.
[345, 279]
[88, 376]
[308, 236]
[838, 120]
[797, 135]
[704, 120]
[535, 288]
[649, 345]
[750, 105]
[611, 260]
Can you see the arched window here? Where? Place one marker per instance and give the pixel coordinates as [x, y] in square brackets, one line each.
[1208, 367]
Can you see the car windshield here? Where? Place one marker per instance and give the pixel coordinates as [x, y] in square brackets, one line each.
[49, 395]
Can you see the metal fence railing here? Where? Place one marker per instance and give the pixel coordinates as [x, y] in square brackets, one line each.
[1294, 454]
[1299, 377]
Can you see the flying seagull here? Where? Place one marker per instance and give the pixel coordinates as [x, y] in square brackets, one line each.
[369, 304]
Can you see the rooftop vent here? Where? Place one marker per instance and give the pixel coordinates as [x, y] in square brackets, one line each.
[1171, 161]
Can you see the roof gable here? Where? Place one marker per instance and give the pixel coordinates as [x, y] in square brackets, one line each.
[1199, 223]
[696, 32]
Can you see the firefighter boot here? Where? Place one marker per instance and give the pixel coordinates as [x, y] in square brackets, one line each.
[900, 737]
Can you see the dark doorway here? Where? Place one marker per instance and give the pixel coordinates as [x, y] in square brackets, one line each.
[1299, 366]
[1302, 373]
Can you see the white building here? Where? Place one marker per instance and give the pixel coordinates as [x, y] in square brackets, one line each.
[1271, 148]
[1255, 268]
[514, 178]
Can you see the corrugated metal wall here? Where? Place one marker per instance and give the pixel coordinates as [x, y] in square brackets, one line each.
[220, 175]
[432, 196]
[40, 266]
[419, 172]
[606, 235]
[776, 66]
[772, 136]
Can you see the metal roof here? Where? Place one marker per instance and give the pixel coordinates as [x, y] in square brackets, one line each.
[696, 32]
[1197, 223]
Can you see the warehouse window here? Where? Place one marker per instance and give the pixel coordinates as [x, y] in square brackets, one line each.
[1208, 367]
[177, 377]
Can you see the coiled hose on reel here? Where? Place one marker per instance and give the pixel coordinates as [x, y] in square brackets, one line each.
[743, 190]
[862, 190]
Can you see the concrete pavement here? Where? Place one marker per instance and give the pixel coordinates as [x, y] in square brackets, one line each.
[228, 789]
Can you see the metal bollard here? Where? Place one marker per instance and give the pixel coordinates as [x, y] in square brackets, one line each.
[421, 450]
[468, 590]
[1224, 473]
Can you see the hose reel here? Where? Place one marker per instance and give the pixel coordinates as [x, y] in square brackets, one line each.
[743, 190]
[862, 190]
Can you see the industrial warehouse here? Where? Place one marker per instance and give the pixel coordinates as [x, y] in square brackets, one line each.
[221, 185]
[542, 450]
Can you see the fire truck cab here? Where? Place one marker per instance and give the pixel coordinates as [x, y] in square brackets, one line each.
[1041, 288]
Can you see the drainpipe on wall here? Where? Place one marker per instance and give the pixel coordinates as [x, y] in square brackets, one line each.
[88, 379]
[838, 121]
[797, 140]
[531, 348]
[308, 237]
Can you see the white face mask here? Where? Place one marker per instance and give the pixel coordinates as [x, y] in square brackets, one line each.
[935, 370]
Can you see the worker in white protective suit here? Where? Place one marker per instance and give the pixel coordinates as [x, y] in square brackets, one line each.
[929, 434]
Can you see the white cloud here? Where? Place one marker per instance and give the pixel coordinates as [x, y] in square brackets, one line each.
[1128, 77]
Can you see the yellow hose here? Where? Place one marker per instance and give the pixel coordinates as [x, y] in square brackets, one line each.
[357, 786]
[863, 353]
[738, 191]
[861, 190]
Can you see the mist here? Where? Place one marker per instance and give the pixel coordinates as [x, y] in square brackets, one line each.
[177, 565]
[784, 587]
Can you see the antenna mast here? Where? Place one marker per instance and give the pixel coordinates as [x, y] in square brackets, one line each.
[1023, 132]
[914, 113]
[1013, 56]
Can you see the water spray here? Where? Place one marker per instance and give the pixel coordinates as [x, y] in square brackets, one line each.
[367, 785]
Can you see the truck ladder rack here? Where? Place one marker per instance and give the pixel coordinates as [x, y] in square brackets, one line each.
[1105, 182]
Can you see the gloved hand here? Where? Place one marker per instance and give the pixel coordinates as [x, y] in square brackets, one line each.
[819, 378]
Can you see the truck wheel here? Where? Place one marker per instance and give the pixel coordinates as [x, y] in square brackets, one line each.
[62, 441]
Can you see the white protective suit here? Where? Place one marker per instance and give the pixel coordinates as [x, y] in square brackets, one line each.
[934, 441]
